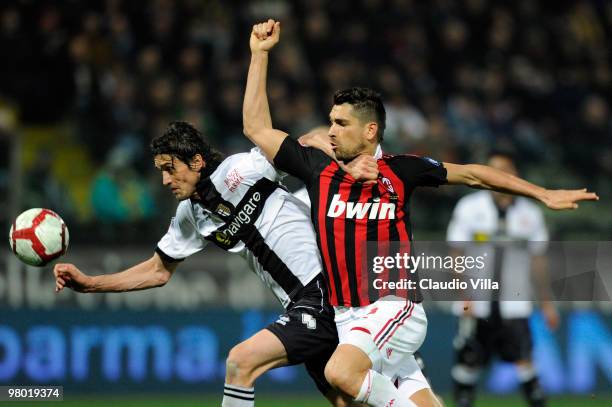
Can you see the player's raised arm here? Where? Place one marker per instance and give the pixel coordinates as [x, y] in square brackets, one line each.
[485, 177]
[257, 122]
[151, 273]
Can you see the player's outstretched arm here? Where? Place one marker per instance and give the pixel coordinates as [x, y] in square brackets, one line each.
[256, 119]
[485, 177]
[148, 274]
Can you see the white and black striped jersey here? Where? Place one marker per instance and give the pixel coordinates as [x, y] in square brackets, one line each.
[477, 218]
[244, 210]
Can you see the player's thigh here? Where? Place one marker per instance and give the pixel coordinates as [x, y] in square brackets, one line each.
[349, 357]
[426, 398]
[309, 335]
[515, 343]
[315, 366]
[411, 380]
[397, 336]
[477, 351]
[347, 368]
[262, 351]
[413, 384]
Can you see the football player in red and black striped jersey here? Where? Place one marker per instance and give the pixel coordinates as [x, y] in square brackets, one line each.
[379, 330]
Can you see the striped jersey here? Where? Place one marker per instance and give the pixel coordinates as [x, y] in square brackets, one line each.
[243, 209]
[477, 218]
[356, 222]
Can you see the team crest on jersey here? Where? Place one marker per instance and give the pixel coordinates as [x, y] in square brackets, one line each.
[223, 210]
[387, 183]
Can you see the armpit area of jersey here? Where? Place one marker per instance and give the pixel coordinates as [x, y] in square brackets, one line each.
[165, 257]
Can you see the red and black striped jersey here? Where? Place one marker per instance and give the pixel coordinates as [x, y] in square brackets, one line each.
[355, 221]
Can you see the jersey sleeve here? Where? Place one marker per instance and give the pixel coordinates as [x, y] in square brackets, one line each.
[263, 166]
[418, 171]
[302, 195]
[299, 161]
[182, 239]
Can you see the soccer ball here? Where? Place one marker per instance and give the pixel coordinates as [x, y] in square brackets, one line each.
[38, 236]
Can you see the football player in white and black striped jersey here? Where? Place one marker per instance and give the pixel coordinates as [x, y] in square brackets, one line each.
[238, 204]
[500, 326]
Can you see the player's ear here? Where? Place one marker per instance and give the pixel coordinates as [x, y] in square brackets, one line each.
[371, 131]
[198, 163]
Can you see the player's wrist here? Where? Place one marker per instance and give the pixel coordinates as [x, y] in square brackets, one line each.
[542, 195]
[259, 52]
[90, 284]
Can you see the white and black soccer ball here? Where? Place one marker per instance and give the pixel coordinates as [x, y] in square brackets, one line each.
[38, 236]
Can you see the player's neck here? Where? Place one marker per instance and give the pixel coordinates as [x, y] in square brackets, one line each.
[370, 150]
[367, 150]
[503, 201]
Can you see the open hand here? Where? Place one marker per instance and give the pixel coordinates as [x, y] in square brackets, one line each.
[318, 138]
[362, 168]
[264, 36]
[560, 199]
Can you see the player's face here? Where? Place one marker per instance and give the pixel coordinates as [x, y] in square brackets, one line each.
[505, 164]
[347, 133]
[178, 176]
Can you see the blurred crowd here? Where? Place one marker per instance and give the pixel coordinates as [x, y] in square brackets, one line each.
[457, 77]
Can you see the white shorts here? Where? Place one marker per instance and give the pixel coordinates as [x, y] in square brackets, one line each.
[389, 331]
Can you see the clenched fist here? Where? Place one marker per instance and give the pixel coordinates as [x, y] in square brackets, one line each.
[265, 36]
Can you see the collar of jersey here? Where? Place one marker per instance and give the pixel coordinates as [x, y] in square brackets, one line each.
[206, 191]
[378, 153]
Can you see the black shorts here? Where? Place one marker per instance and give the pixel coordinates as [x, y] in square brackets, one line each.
[308, 331]
[508, 338]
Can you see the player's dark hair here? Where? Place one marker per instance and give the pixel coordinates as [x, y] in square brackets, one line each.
[367, 103]
[183, 141]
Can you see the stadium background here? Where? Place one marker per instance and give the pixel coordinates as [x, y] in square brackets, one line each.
[85, 85]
